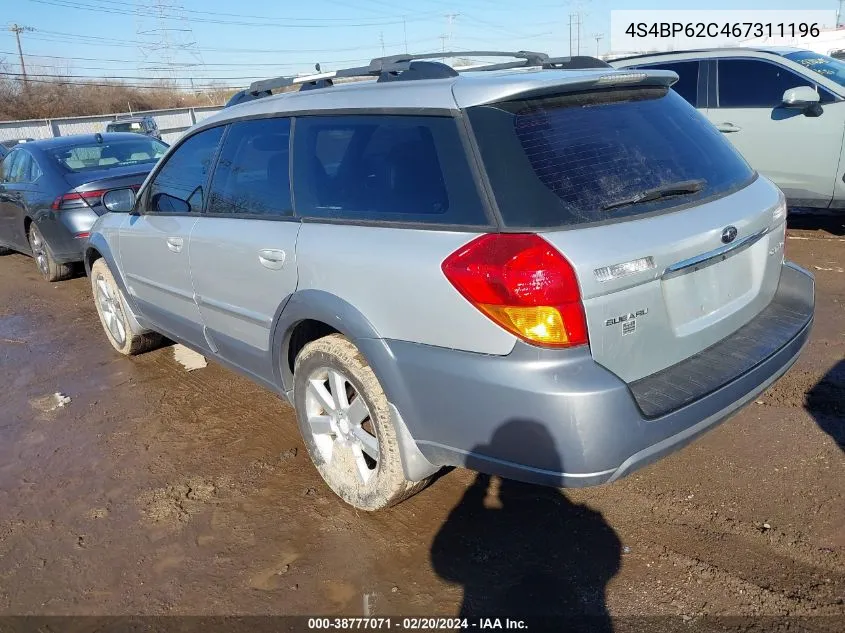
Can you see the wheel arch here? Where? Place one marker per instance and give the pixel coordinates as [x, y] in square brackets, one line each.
[306, 316]
[98, 248]
[316, 313]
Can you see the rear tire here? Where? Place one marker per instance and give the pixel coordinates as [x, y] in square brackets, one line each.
[47, 265]
[111, 308]
[349, 434]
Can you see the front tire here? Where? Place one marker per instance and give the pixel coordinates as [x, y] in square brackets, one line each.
[111, 308]
[49, 268]
[345, 421]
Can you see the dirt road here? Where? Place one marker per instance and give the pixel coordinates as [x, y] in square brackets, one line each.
[159, 491]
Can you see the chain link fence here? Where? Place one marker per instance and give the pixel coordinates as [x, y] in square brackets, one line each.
[171, 124]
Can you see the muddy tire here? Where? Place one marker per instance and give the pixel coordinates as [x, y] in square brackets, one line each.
[344, 418]
[47, 265]
[111, 308]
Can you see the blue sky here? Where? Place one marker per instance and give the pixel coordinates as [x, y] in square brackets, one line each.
[246, 39]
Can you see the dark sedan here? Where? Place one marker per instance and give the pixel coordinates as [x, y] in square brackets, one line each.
[51, 192]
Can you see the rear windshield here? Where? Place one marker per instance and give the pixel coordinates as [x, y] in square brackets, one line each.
[117, 153]
[576, 158]
[124, 127]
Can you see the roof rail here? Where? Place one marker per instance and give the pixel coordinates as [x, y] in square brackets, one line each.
[406, 66]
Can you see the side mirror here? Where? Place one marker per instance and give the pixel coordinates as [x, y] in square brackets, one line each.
[801, 97]
[119, 200]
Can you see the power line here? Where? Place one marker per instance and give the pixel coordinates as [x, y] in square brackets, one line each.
[36, 56]
[266, 23]
[377, 21]
[133, 77]
[106, 84]
[78, 38]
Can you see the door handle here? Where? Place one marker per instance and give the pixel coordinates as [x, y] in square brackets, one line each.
[175, 244]
[727, 128]
[272, 258]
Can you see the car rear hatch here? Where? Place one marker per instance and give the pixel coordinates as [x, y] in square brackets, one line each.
[675, 241]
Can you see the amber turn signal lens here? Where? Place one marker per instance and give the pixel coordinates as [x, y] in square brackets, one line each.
[541, 324]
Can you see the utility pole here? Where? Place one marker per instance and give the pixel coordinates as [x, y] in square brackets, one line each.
[405, 32]
[578, 31]
[598, 37]
[17, 29]
[381, 41]
[575, 18]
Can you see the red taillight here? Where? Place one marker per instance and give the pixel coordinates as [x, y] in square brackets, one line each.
[522, 283]
[85, 196]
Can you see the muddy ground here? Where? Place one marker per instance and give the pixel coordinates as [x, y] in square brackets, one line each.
[158, 491]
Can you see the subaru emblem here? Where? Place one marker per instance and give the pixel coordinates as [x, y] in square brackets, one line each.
[729, 234]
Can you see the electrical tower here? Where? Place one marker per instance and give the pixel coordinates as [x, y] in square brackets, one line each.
[575, 20]
[167, 47]
[446, 38]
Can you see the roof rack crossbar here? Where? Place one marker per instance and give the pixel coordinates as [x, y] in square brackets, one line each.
[534, 58]
[379, 65]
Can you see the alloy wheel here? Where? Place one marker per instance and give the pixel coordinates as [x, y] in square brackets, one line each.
[340, 422]
[111, 310]
[39, 251]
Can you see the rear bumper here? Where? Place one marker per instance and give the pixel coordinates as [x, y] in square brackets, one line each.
[67, 233]
[558, 418]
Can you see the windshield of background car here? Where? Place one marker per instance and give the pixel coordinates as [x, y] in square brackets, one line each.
[823, 65]
[125, 127]
[117, 153]
[570, 159]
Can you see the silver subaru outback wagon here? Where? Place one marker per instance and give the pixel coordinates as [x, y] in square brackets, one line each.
[547, 250]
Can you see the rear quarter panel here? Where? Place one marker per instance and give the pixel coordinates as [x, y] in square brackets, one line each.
[392, 276]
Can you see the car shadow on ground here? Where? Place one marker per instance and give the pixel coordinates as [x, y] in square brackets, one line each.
[826, 403]
[527, 551]
[830, 223]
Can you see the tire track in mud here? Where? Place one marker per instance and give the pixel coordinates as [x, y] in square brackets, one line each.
[778, 570]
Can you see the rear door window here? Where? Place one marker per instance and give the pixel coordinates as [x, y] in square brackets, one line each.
[179, 186]
[575, 158]
[752, 83]
[251, 177]
[384, 168]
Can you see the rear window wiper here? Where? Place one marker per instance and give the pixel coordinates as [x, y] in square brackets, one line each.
[663, 191]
